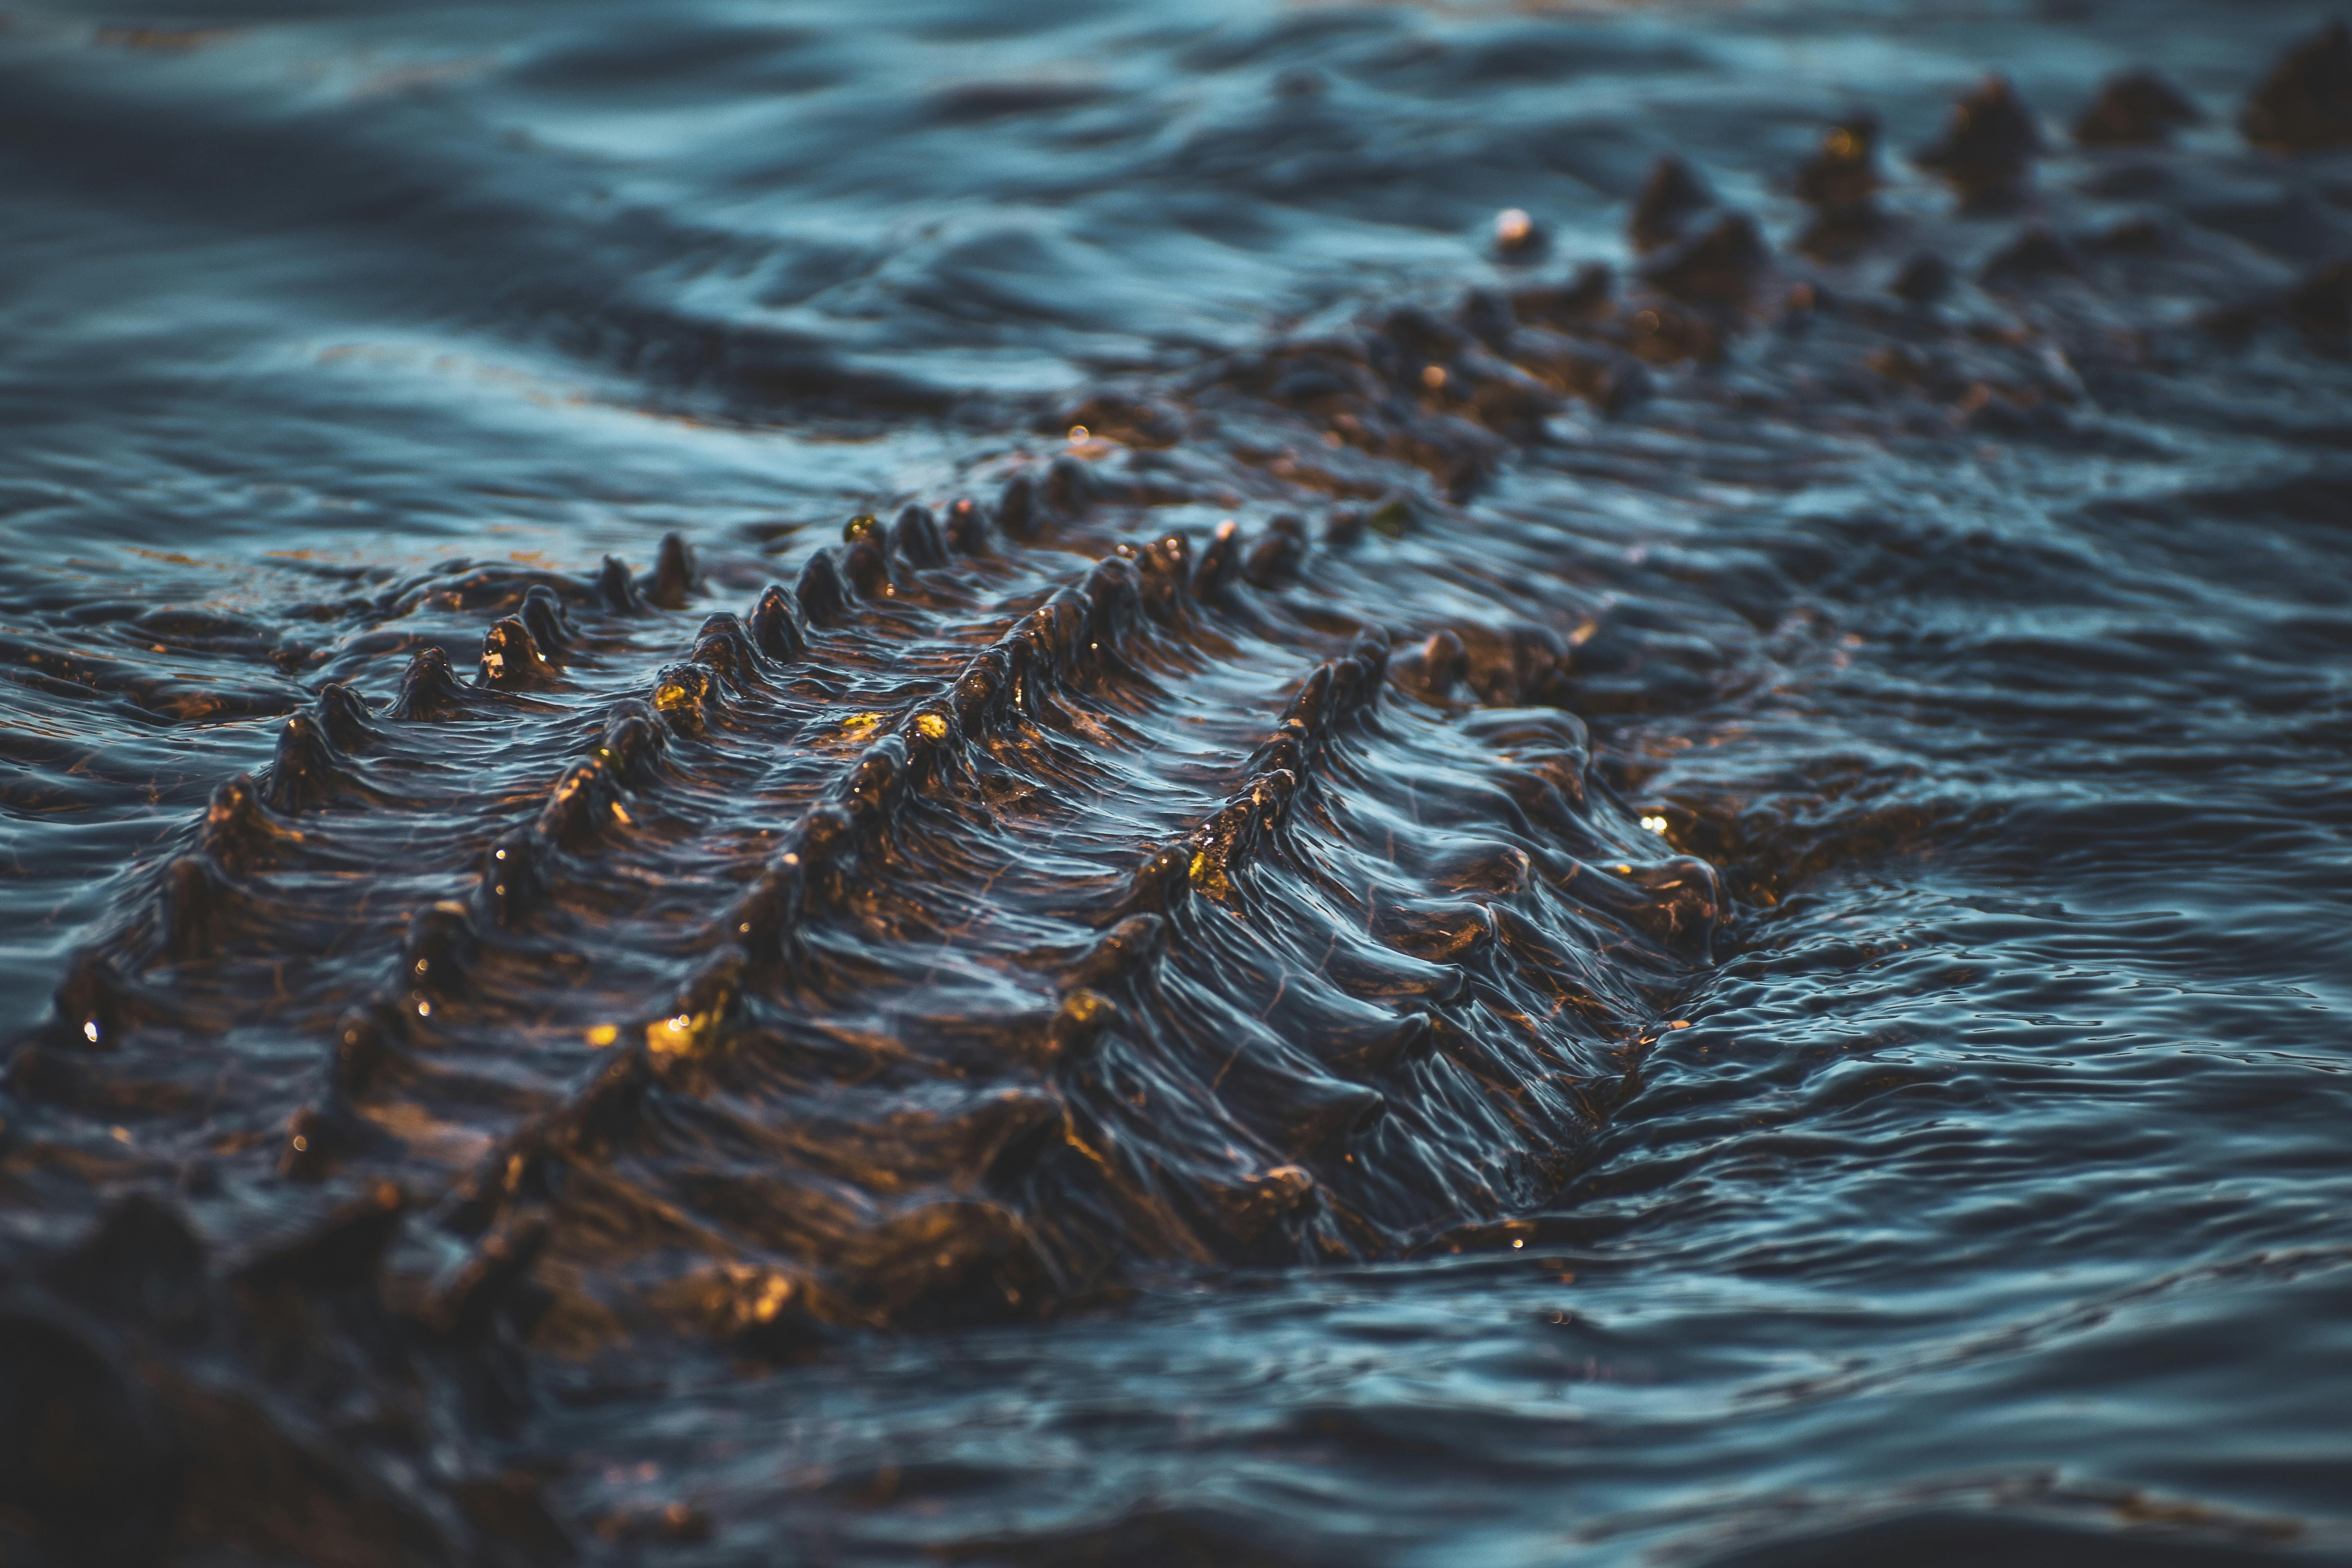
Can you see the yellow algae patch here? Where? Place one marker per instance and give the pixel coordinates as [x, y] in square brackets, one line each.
[570, 783]
[932, 726]
[671, 1037]
[1085, 1008]
[683, 1034]
[762, 1297]
[737, 1297]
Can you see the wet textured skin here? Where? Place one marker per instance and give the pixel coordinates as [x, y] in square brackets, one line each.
[1008, 910]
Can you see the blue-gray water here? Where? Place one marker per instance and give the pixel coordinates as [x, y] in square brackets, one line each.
[1778, 998]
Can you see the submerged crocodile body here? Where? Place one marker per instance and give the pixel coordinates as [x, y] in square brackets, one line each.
[1027, 896]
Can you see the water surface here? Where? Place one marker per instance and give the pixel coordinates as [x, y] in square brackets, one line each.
[1713, 930]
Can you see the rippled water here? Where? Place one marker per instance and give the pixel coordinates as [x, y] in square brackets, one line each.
[1391, 900]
